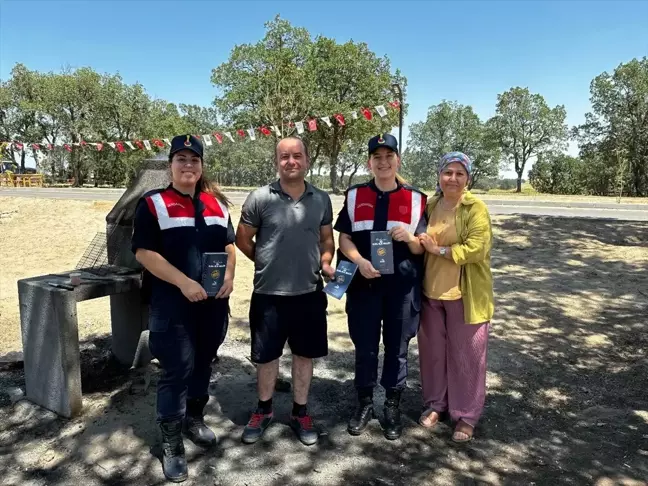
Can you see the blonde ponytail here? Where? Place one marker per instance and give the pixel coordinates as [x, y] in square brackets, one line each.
[400, 179]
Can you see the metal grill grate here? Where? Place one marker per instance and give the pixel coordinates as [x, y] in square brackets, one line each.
[95, 257]
[101, 254]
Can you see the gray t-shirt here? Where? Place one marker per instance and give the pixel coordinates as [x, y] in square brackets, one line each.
[287, 258]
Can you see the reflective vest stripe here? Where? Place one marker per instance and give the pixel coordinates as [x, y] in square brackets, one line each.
[351, 207]
[416, 212]
[164, 220]
[219, 220]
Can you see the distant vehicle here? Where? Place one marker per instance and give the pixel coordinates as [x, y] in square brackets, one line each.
[15, 168]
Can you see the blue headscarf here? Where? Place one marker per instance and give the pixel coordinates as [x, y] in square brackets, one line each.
[450, 158]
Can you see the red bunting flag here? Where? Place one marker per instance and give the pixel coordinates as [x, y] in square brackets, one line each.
[265, 130]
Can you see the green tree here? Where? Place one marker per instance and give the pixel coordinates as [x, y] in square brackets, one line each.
[288, 75]
[19, 116]
[346, 77]
[524, 126]
[449, 127]
[618, 123]
[557, 174]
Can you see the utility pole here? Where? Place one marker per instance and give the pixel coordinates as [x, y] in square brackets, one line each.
[399, 92]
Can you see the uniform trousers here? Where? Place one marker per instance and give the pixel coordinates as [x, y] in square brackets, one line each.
[370, 310]
[185, 346]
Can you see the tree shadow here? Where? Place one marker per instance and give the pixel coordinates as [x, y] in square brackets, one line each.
[567, 390]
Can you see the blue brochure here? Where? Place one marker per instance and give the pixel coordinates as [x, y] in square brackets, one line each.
[382, 252]
[214, 265]
[343, 275]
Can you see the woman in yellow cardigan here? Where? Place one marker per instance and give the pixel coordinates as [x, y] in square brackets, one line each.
[458, 303]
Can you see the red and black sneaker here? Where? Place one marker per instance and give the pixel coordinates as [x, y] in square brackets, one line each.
[304, 428]
[256, 426]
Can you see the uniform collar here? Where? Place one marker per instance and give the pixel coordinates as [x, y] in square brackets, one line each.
[372, 184]
[276, 187]
[182, 194]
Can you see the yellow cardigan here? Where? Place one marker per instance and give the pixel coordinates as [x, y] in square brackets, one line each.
[472, 253]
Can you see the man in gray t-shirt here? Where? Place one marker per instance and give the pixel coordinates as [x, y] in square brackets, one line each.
[286, 230]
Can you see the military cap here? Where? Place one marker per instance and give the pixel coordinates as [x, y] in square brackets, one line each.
[186, 142]
[383, 140]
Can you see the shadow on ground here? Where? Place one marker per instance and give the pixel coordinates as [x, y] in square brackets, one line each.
[567, 401]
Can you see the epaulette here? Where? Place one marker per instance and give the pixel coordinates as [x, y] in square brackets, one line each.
[409, 187]
[356, 186]
[153, 191]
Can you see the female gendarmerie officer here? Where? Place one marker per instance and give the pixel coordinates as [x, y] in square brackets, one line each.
[383, 204]
[174, 227]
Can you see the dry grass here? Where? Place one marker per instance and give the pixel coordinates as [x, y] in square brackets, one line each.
[40, 236]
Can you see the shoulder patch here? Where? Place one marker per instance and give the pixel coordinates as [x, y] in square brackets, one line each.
[356, 186]
[153, 191]
[409, 187]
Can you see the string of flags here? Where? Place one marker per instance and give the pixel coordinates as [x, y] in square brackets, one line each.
[310, 124]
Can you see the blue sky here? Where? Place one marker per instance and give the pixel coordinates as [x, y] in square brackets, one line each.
[464, 51]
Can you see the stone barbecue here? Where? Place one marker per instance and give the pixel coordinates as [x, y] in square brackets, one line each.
[48, 315]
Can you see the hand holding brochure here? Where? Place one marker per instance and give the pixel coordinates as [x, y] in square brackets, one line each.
[213, 274]
[340, 283]
[382, 252]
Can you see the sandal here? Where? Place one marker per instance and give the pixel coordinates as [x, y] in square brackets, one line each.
[463, 432]
[429, 418]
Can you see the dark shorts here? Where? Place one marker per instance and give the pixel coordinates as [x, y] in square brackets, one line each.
[298, 319]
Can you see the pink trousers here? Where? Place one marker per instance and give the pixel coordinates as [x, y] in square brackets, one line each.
[452, 356]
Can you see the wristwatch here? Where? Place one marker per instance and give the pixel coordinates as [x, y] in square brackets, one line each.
[443, 250]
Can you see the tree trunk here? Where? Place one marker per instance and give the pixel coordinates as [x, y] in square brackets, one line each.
[352, 175]
[519, 182]
[333, 161]
[473, 178]
[76, 169]
[342, 171]
[22, 160]
[333, 173]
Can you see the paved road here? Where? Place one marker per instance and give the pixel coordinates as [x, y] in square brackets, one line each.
[612, 210]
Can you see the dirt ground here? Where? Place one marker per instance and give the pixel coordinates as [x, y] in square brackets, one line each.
[567, 383]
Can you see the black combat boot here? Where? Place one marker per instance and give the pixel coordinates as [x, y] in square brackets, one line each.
[193, 424]
[363, 413]
[174, 463]
[393, 427]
